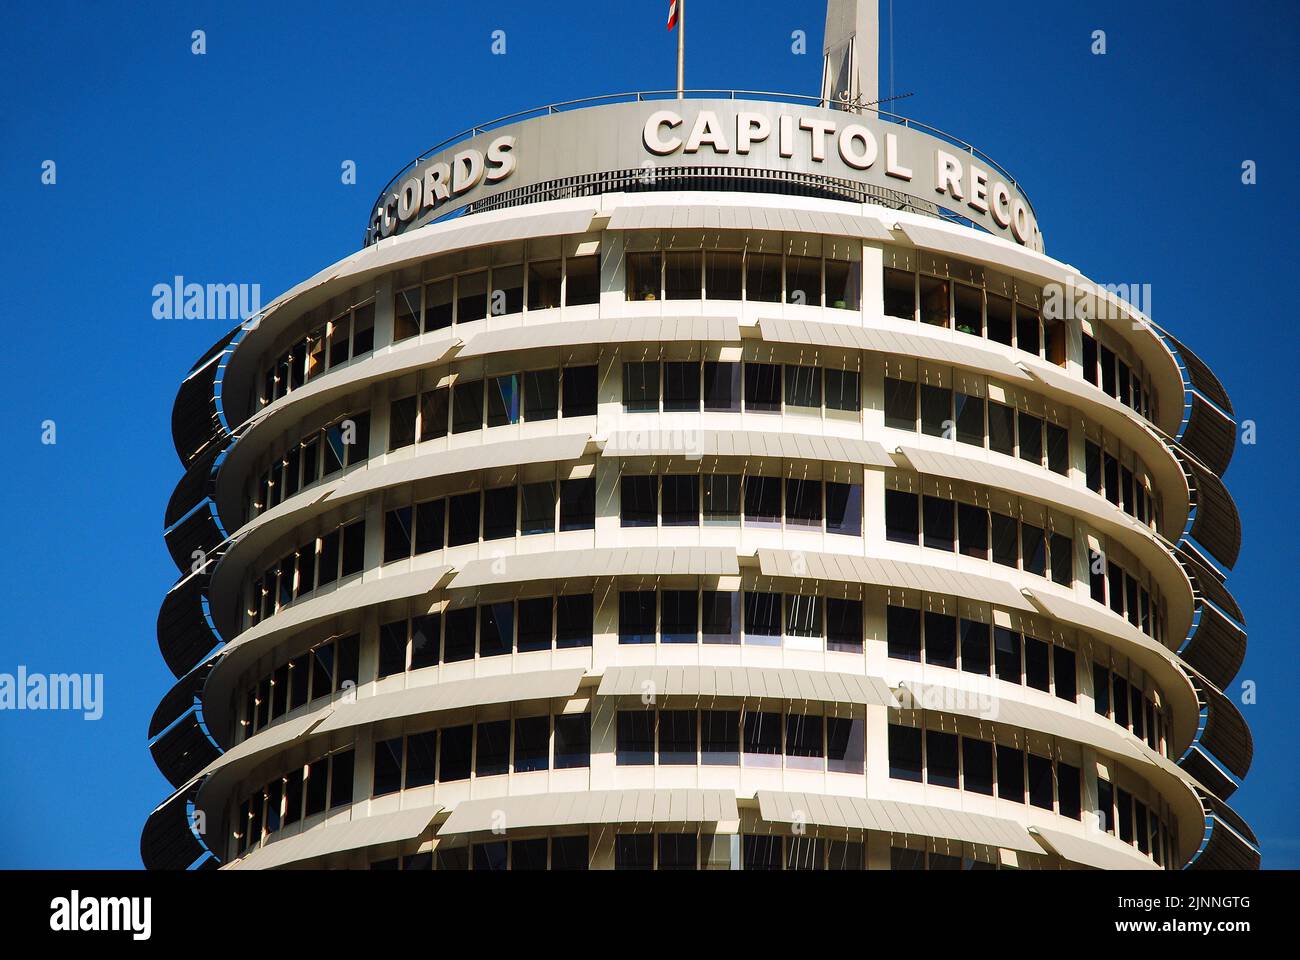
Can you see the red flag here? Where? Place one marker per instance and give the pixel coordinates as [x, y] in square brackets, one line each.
[672, 14]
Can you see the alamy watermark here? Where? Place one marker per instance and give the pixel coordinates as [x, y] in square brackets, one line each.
[1078, 299]
[53, 691]
[179, 300]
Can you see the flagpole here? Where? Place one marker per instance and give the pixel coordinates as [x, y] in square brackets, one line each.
[681, 49]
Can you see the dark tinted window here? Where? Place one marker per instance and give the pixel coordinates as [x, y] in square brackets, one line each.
[905, 753]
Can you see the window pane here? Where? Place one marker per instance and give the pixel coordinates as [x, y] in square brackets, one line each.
[845, 744]
[437, 305]
[503, 401]
[680, 618]
[762, 738]
[1040, 782]
[643, 275]
[499, 509]
[905, 753]
[936, 411]
[634, 851]
[532, 744]
[682, 279]
[803, 386]
[722, 387]
[682, 386]
[720, 616]
[803, 503]
[999, 319]
[844, 284]
[507, 290]
[1063, 670]
[538, 512]
[720, 737]
[406, 315]
[970, 419]
[582, 285]
[638, 501]
[636, 616]
[843, 625]
[901, 521]
[492, 757]
[1011, 774]
[803, 280]
[763, 387]
[392, 648]
[844, 509]
[1062, 560]
[534, 624]
[426, 634]
[1034, 549]
[677, 737]
[842, 390]
[940, 639]
[934, 301]
[463, 519]
[434, 411]
[900, 404]
[1006, 654]
[969, 308]
[763, 277]
[1005, 536]
[454, 752]
[578, 504]
[681, 501]
[939, 520]
[975, 656]
[1037, 664]
[579, 391]
[1058, 449]
[900, 294]
[763, 618]
[941, 759]
[721, 500]
[388, 766]
[677, 851]
[573, 741]
[1002, 431]
[569, 853]
[471, 297]
[803, 741]
[973, 530]
[803, 616]
[573, 621]
[401, 423]
[459, 642]
[430, 519]
[467, 407]
[541, 395]
[635, 743]
[904, 633]
[763, 501]
[397, 534]
[496, 629]
[977, 766]
[640, 387]
[543, 284]
[1031, 438]
[722, 276]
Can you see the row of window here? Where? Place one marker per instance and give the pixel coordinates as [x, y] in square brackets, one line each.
[491, 630]
[1113, 586]
[737, 275]
[1125, 702]
[970, 309]
[496, 514]
[327, 346]
[974, 531]
[722, 387]
[540, 853]
[715, 617]
[303, 792]
[1106, 475]
[901, 858]
[764, 739]
[979, 766]
[320, 672]
[1134, 822]
[339, 553]
[941, 640]
[500, 290]
[687, 500]
[1103, 368]
[485, 749]
[532, 396]
[943, 412]
[344, 443]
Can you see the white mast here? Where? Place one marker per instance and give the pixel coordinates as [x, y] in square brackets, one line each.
[850, 71]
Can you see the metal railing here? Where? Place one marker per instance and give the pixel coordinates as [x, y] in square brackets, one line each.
[644, 95]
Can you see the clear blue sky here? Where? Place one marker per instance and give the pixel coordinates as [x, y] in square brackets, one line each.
[225, 168]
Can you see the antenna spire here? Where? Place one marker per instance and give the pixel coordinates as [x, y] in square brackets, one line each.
[851, 69]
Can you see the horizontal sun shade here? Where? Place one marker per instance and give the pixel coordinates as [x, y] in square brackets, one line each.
[195, 424]
[167, 841]
[610, 562]
[1209, 435]
[641, 807]
[1100, 850]
[1217, 525]
[712, 443]
[888, 816]
[478, 691]
[715, 682]
[1226, 734]
[615, 330]
[340, 838]
[184, 635]
[842, 568]
[735, 217]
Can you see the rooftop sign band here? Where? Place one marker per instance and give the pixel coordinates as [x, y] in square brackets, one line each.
[753, 135]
